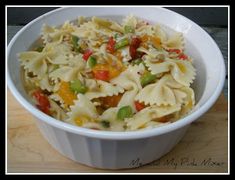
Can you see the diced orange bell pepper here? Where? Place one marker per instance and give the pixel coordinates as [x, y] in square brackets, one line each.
[78, 121]
[114, 72]
[144, 38]
[156, 41]
[163, 119]
[118, 54]
[111, 101]
[107, 71]
[66, 94]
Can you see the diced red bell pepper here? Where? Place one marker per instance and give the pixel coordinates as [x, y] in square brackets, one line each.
[183, 56]
[139, 106]
[163, 119]
[101, 75]
[43, 102]
[43, 109]
[133, 53]
[177, 51]
[87, 54]
[135, 43]
[111, 45]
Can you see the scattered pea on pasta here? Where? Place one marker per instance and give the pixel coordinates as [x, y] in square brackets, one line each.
[100, 74]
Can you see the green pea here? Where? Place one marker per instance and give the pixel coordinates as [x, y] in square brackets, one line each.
[105, 124]
[91, 62]
[77, 87]
[116, 36]
[124, 112]
[122, 43]
[75, 40]
[147, 78]
[128, 29]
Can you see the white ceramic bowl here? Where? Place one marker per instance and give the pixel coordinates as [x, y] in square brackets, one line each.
[115, 150]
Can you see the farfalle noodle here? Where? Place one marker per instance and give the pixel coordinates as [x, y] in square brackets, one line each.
[106, 75]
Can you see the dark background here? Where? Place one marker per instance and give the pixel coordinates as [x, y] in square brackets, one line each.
[204, 16]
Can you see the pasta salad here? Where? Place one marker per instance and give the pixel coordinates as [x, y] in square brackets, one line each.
[100, 74]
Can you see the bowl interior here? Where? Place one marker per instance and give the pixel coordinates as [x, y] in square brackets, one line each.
[207, 58]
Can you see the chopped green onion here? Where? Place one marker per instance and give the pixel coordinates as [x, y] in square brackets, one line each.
[77, 86]
[76, 46]
[78, 49]
[116, 36]
[105, 124]
[121, 43]
[91, 61]
[39, 49]
[137, 61]
[147, 78]
[124, 112]
[128, 29]
[75, 40]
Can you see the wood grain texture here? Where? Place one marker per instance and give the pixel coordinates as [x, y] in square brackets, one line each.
[204, 148]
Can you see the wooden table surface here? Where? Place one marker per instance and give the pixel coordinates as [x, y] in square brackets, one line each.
[204, 148]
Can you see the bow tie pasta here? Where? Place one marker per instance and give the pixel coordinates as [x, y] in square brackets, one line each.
[100, 74]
